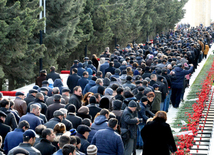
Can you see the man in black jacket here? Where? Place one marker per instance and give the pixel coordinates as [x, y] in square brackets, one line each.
[93, 109]
[31, 96]
[58, 117]
[73, 79]
[45, 146]
[10, 119]
[53, 75]
[130, 122]
[75, 120]
[76, 98]
[4, 128]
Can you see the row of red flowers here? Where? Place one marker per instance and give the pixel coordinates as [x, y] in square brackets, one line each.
[186, 141]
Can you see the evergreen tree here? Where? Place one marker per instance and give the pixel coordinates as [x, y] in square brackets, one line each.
[18, 52]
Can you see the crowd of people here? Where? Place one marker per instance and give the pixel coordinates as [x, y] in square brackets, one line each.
[112, 105]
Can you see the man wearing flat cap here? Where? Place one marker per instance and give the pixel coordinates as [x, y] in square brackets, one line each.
[44, 91]
[31, 96]
[53, 75]
[58, 117]
[66, 95]
[130, 121]
[4, 129]
[20, 104]
[55, 106]
[29, 138]
[83, 133]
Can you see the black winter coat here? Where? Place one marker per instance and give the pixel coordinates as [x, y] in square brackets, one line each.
[52, 122]
[84, 143]
[75, 100]
[129, 121]
[53, 75]
[72, 81]
[93, 110]
[157, 137]
[53, 107]
[75, 120]
[4, 129]
[46, 147]
[29, 98]
[10, 119]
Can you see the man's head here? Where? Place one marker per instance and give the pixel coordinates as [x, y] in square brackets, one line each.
[84, 130]
[154, 77]
[55, 90]
[64, 111]
[44, 90]
[20, 95]
[69, 149]
[5, 103]
[86, 121]
[24, 125]
[85, 74]
[73, 140]
[59, 114]
[99, 74]
[105, 112]
[77, 91]
[66, 92]
[2, 116]
[92, 150]
[40, 96]
[112, 123]
[48, 134]
[39, 129]
[33, 92]
[132, 105]
[99, 82]
[29, 136]
[35, 109]
[71, 108]
[120, 91]
[63, 140]
[57, 98]
[74, 71]
[144, 100]
[52, 69]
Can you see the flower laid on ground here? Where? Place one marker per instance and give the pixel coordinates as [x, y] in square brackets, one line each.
[186, 141]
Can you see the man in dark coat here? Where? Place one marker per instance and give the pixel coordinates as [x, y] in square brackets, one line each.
[45, 146]
[46, 85]
[41, 77]
[55, 106]
[147, 72]
[80, 69]
[32, 117]
[75, 65]
[158, 141]
[111, 68]
[73, 80]
[31, 96]
[153, 80]
[76, 98]
[4, 128]
[15, 137]
[58, 117]
[130, 122]
[53, 75]
[111, 137]
[65, 121]
[20, 104]
[10, 119]
[83, 132]
[39, 99]
[66, 95]
[75, 120]
[29, 137]
[93, 109]
[83, 81]
[178, 84]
